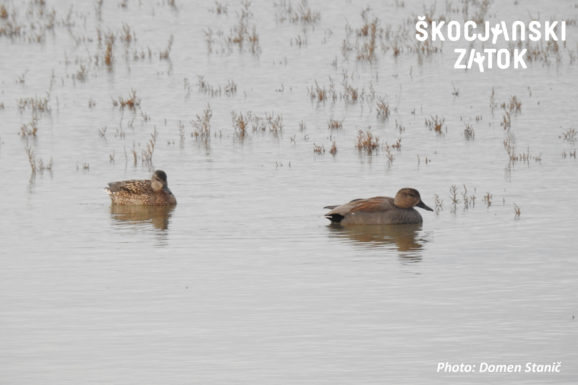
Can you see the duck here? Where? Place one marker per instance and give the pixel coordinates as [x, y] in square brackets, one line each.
[380, 210]
[153, 192]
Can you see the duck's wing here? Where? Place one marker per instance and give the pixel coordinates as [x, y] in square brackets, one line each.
[375, 204]
[131, 187]
[371, 205]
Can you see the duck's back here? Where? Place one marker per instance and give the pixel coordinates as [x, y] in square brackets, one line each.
[373, 211]
[139, 192]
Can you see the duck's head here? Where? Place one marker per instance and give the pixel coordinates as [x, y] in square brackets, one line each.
[159, 180]
[406, 198]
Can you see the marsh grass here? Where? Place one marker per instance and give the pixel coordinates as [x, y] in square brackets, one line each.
[569, 135]
[240, 124]
[148, 152]
[301, 13]
[82, 73]
[512, 106]
[487, 199]
[127, 35]
[454, 195]
[230, 88]
[166, 53]
[515, 156]
[396, 145]
[131, 102]
[37, 164]
[36, 104]
[569, 154]
[399, 127]
[382, 110]
[31, 26]
[469, 132]
[108, 52]
[517, 211]
[268, 123]
[469, 201]
[506, 122]
[29, 129]
[426, 160]
[366, 142]
[202, 125]
[464, 197]
[244, 34]
[367, 35]
[389, 155]
[333, 124]
[455, 91]
[204, 87]
[436, 124]
[298, 41]
[219, 8]
[321, 94]
[438, 204]
[349, 93]
[333, 150]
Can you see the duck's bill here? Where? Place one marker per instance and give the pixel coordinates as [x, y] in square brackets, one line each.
[424, 206]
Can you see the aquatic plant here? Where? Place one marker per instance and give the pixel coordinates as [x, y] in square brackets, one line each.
[131, 102]
[334, 124]
[240, 124]
[333, 149]
[506, 121]
[512, 106]
[366, 142]
[435, 123]
[37, 164]
[517, 211]
[469, 132]
[382, 109]
[569, 135]
[29, 129]
[487, 199]
[318, 149]
[300, 14]
[202, 125]
[166, 53]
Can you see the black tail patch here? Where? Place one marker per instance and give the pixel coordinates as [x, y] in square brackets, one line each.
[334, 218]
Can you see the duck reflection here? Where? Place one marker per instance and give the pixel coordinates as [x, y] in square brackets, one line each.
[157, 215]
[405, 238]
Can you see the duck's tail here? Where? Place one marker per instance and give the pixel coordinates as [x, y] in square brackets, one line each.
[334, 218]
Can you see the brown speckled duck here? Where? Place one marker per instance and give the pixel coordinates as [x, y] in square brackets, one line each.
[380, 210]
[153, 192]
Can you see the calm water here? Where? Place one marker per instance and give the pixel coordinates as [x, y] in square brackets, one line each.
[244, 281]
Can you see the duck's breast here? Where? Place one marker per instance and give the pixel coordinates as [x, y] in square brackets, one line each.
[164, 198]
